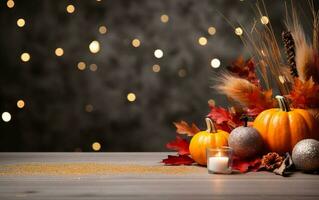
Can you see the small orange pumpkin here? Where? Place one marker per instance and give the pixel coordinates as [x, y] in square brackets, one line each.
[211, 138]
[282, 128]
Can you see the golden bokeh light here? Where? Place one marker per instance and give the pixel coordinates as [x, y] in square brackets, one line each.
[21, 22]
[81, 65]
[239, 31]
[6, 116]
[96, 146]
[282, 79]
[158, 53]
[59, 52]
[10, 4]
[136, 42]
[211, 102]
[89, 108]
[164, 18]
[264, 20]
[94, 46]
[211, 30]
[156, 68]
[182, 73]
[20, 103]
[202, 41]
[25, 57]
[102, 29]
[131, 97]
[93, 67]
[215, 63]
[70, 8]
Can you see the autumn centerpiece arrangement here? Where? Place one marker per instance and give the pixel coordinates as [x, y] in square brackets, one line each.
[274, 104]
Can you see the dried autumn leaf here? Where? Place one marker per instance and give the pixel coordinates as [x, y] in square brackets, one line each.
[304, 94]
[180, 145]
[244, 69]
[183, 128]
[178, 160]
[224, 119]
[246, 165]
[220, 115]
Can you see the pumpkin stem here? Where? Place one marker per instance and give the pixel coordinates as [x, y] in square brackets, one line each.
[211, 128]
[245, 119]
[283, 104]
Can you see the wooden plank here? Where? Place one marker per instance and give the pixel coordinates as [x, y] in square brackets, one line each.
[147, 186]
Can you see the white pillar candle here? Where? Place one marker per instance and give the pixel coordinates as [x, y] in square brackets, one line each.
[218, 164]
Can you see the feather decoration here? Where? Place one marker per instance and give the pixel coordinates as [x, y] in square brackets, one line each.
[315, 16]
[245, 93]
[307, 58]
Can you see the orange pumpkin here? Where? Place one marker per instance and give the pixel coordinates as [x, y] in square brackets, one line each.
[315, 113]
[211, 138]
[282, 128]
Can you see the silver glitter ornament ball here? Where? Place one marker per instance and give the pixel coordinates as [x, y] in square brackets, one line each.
[246, 142]
[305, 155]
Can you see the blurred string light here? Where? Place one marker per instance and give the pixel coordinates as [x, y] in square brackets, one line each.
[182, 73]
[25, 57]
[20, 103]
[96, 146]
[263, 53]
[89, 108]
[93, 67]
[94, 46]
[10, 4]
[215, 63]
[21, 22]
[202, 41]
[6, 116]
[158, 53]
[81, 65]
[238, 31]
[264, 20]
[156, 68]
[70, 8]
[136, 42]
[59, 52]
[164, 18]
[131, 97]
[211, 30]
[102, 29]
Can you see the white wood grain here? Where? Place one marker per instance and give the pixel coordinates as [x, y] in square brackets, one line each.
[202, 185]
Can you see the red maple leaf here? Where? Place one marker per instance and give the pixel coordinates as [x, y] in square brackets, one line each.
[220, 115]
[246, 165]
[178, 160]
[183, 128]
[304, 94]
[224, 119]
[244, 69]
[179, 144]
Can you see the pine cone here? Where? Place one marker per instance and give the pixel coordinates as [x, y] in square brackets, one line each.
[271, 161]
[290, 52]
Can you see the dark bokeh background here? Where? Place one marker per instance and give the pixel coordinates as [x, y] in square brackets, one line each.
[67, 109]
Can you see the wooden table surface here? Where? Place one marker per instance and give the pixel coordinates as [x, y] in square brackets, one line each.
[199, 185]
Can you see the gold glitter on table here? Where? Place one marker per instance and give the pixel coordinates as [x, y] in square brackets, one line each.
[92, 169]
